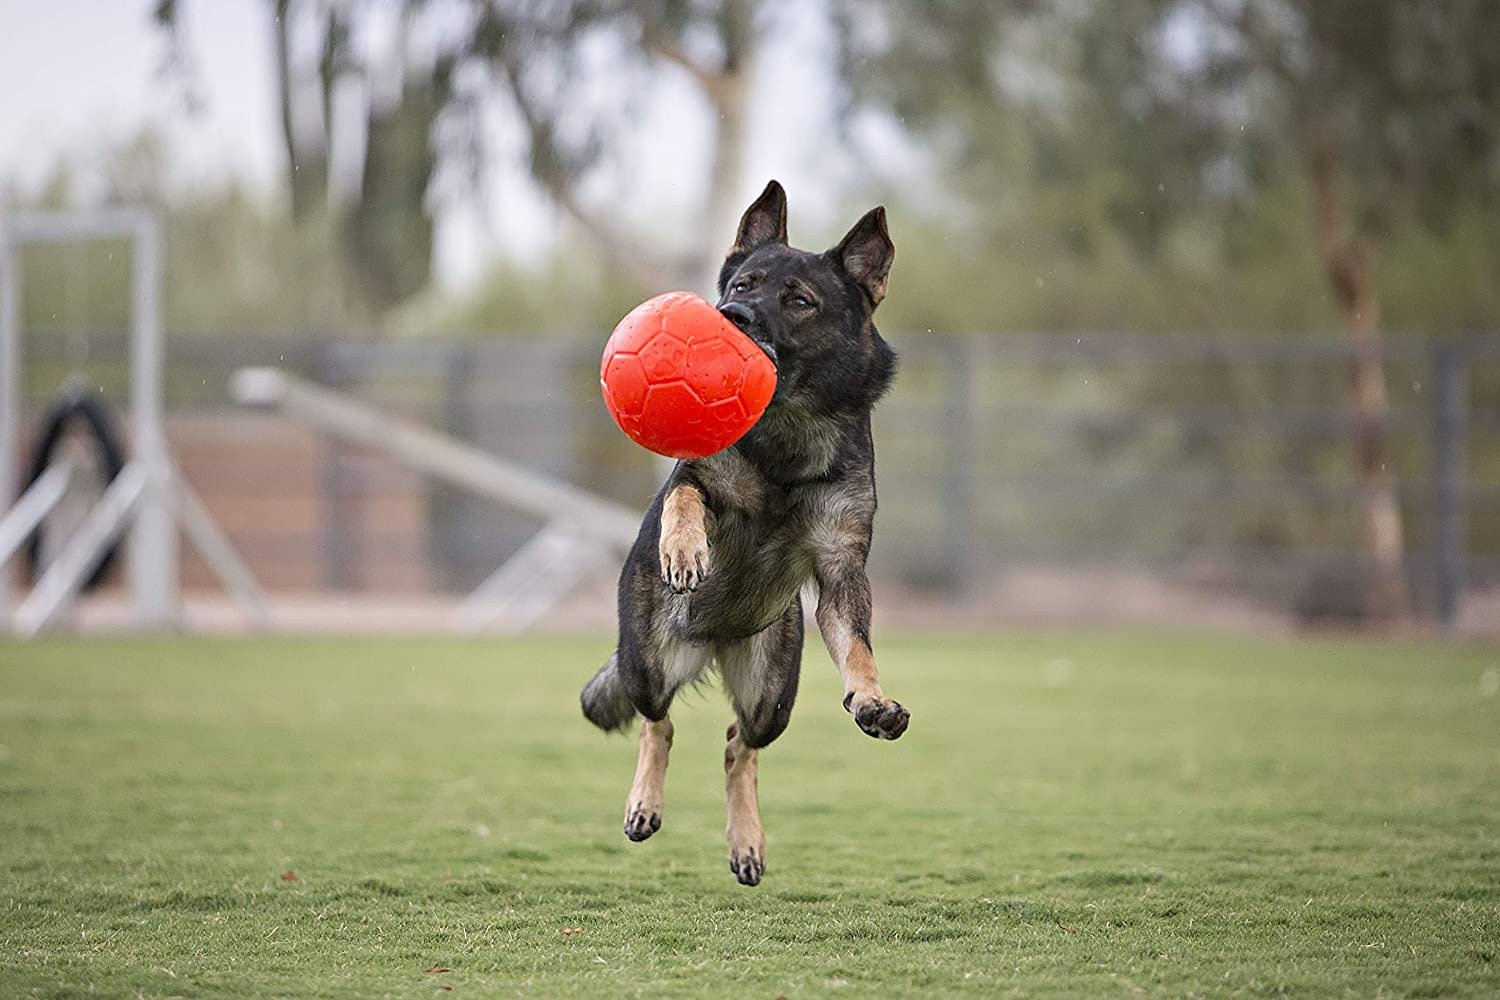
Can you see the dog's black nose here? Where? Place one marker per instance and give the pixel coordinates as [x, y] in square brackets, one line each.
[738, 314]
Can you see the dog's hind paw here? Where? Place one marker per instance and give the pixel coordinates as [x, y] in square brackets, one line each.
[748, 865]
[641, 822]
[684, 561]
[879, 717]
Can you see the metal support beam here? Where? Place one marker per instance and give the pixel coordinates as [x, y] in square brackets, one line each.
[36, 503]
[1447, 543]
[10, 385]
[581, 530]
[153, 542]
[537, 575]
[59, 585]
[146, 492]
[958, 465]
[436, 454]
[214, 546]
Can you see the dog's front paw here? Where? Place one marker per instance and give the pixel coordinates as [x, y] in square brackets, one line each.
[879, 717]
[684, 560]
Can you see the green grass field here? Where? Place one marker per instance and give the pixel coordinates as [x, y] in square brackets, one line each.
[1088, 814]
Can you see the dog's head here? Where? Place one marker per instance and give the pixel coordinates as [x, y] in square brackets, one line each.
[812, 312]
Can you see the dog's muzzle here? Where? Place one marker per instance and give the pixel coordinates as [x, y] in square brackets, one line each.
[741, 316]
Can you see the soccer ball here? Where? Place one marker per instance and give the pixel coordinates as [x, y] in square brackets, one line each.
[681, 380]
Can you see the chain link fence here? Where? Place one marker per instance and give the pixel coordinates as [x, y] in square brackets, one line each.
[1222, 463]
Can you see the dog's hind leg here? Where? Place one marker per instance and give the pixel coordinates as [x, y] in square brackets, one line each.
[643, 806]
[760, 674]
[747, 840]
[653, 679]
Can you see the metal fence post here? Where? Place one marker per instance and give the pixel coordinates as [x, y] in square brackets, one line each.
[958, 462]
[452, 512]
[153, 564]
[10, 393]
[338, 541]
[1449, 412]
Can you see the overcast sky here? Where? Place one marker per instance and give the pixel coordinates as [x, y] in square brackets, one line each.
[80, 75]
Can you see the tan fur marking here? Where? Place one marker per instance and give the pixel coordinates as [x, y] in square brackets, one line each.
[648, 792]
[854, 659]
[683, 544]
[873, 712]
[877, 715]
[860, 675]
[746, 838]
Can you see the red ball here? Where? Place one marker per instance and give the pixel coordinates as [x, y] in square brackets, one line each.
[682, 380]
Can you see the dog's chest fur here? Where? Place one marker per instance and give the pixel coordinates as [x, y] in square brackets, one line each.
[772, 523]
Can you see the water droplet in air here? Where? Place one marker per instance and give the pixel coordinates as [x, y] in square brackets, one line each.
[1058, 672]
[1489, 682]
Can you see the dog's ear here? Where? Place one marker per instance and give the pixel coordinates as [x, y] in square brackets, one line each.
[763, 222]
[866, 253]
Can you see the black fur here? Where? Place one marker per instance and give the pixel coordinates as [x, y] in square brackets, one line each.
[605, 700]
[792, 503]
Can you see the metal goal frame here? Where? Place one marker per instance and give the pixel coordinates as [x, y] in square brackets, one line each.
[149, 495]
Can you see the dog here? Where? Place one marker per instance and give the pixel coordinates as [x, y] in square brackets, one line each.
[727, 547]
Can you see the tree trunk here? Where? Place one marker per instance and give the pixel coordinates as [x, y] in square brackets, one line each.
[306, 170]
[387, 233]
[1346, 259]
[728, 94]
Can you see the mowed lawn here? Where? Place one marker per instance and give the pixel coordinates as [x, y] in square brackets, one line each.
[1070, 814]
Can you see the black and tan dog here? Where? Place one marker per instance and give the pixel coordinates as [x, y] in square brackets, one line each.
[716, 574]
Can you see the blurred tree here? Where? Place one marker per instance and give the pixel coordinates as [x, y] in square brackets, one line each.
[382, 222]
[569, 71]
[1390, 111]
[544, 55]
[1386, 114]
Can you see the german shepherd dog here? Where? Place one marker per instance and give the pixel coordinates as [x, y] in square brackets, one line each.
[728, 545]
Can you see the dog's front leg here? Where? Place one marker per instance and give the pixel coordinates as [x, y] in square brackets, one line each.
[844, 620]
[683, 544]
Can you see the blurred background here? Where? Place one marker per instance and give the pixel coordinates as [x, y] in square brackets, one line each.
[1197, 300]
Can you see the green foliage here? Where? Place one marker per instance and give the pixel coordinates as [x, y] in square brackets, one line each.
[1443, 282]
[1200, 166]
[1141, 118]
[1068, 816]
[1051, 270]
[234, 263]
[382, 228]
[1127, 166]
[237, 265]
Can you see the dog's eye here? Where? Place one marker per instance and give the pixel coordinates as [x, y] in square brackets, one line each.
[800, 301]
[740, 287]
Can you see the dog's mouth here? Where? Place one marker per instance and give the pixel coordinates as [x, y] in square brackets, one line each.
[742, 317]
